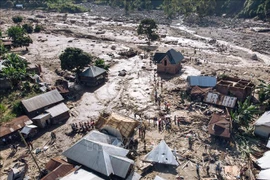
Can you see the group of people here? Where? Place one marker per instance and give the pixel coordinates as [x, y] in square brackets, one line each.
[163, 123]
[83, 126]
[218, 170]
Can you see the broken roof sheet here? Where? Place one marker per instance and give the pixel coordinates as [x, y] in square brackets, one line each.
[264, 120]
[219, 99]
[219, 126]
[100, 157]
[161, 154]
[264, 161]
[159, 178]
[58, 110]
[268, 144]
[81, 174]
[93, 71]
[202, 81]
[264, 175]
[42, 100]
[14, 125]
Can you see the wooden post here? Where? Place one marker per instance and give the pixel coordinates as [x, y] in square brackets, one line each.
[30, 151]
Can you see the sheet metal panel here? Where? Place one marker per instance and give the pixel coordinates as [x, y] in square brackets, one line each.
[218, 99]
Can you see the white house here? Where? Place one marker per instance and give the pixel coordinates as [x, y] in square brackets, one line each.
[262, 125]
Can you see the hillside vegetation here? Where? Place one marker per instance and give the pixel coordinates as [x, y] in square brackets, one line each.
[239, 8]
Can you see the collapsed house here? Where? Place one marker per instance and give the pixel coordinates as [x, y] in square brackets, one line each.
[236, 87]
[37, 105]
[119, 126]
[161, 154]
[262, 125]
[57, 168]
[220, 125]
[169, 62]
[198, 94]
[11, 128]
[103, 158]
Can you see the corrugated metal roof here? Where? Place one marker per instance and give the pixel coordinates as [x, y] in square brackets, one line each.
[98, 157]
[174, 56]
[161, 154]
[93, 71]
[219, 99]
[202, 81]
[264, 120]
[134, 176]
[41, 116]
[42, 100]
[81, 174]
[14, 125]
[95, 135]
[57, 110]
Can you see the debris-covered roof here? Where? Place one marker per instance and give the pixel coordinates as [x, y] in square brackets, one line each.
[58, 110]
[42, 100]
[14, 125]
[219, 99]
[100, 157]
[125, 125]
[264, 120]
[93, 71]
[219, 125]
[161, 154]
[202, 81]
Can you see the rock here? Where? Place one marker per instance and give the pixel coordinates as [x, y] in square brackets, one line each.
[212, 41]
[254, 57]
[69, 41]
[40, 16]
[113, 47]
[100, 32]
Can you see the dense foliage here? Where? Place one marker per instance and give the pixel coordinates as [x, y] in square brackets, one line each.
[101, 63]
[74, 59]
[17, 19]
[18, 35]
[148, 28]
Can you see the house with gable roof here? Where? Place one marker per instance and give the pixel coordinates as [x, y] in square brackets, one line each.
[169, 62]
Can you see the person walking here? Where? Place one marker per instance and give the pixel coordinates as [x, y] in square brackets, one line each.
[53, 136]
[218, 169]
[207, 170]
[198, 170]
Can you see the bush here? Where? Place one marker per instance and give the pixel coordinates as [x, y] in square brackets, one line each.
[37, 28]
[17, 108]
[17, 19]
[28, 28]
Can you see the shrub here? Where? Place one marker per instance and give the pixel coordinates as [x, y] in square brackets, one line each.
[28, 28]
[17, 19]
[17, 108]
[37, 28]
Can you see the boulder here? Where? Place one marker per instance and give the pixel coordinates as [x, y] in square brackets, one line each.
[254, 57]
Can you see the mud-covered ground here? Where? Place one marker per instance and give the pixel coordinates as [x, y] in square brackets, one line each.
[224, 46]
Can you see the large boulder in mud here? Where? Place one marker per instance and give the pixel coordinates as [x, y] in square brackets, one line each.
[254, 57]
[130, 53]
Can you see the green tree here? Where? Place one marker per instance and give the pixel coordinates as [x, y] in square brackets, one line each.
[74, 59]
[264, 94]
[17, 19]
[37, 28]
[244, 114]
[148, 27]
[101, 63]
[17, 34]
[3, 50]
[28, 28]
[15, 69]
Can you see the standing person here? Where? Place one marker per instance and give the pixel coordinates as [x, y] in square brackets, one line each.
[53, 136]
[174, 119]
[190, 142]
[218, 169]
[178, 122]
[198, 170]
[30, 145]
[207, 170]
[155, 122]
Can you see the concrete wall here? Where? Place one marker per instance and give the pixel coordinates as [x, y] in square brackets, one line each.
[168, 67]
[262, 131]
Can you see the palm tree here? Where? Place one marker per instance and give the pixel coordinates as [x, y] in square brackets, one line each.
[264, 94]
[244, 114]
